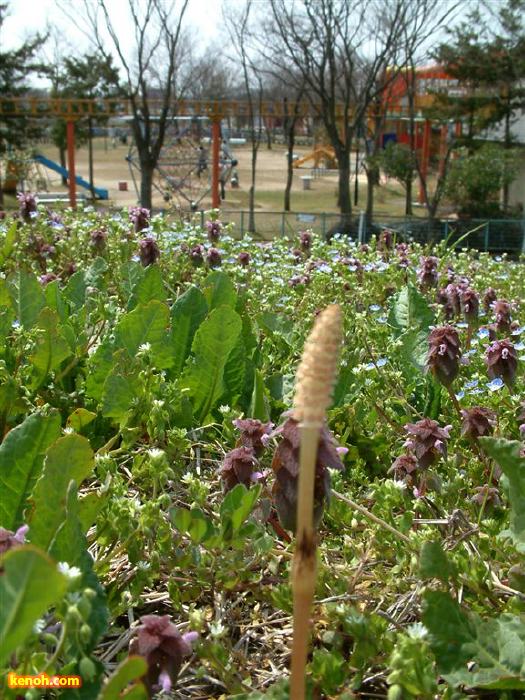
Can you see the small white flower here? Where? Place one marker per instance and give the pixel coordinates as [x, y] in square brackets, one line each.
[145, 347]
[72, 572]
[156, 454]
[39, 626]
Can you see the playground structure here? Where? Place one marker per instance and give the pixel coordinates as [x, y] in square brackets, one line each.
[180, 185]
[183, 172]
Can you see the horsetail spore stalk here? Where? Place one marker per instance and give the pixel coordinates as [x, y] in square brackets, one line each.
[315, 378]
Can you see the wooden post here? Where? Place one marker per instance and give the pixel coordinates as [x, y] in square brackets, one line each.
[425, 155]
[70, 131]
[215, 165]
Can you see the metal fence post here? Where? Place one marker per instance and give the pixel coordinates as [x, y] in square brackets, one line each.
[282, 224]
[487, 235]
[523, 239]
[361, 230]
[446, 229]
[242, 223]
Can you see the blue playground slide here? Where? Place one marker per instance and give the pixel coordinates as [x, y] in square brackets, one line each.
[47, 163]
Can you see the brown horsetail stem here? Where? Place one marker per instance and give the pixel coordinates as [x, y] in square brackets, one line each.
[315, 379]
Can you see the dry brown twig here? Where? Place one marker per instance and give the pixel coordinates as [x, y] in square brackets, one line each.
[315, 378]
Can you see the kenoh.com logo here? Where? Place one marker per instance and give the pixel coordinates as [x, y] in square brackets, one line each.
[42, 680]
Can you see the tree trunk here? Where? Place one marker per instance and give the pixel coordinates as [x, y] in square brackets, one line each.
[63, 163]
[146, 183]
[408, 198]
[506, 144]
[290, 133]
[344, 199]
[251, 194]
[371, 178]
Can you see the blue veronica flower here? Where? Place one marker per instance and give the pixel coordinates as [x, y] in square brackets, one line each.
[382, 319]
[460, 395]
[519, 346]
[374, 307]
[471, 384]
[381, 362]
[476, 391]
[462, 324]
[518, 331]
[483, 333]
[496, 384]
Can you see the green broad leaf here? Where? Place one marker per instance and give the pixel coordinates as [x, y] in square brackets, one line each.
[89, 506]
[6, 325]
[276, 324]
[119, 393]
[409, 310]
[506, 454]
[471, 651]
[149, 287]
[146, 324]
[69, 458]
[27, 297]
[70, 546]
[51, 347]
[99, 365]
[259, 403]
[75, 290]
[55, 300]
[8, 242]
[219, 290]
[193, 523]
[212, 345]
[433, 398]
[95, 273]
[414, 348]
[434, 563]
[29, 585]
[237, 506]
[131, 273]
[187, 313]
[345, 381]
[127, 672]
[234, 373]
[80, 418]
[21, 459]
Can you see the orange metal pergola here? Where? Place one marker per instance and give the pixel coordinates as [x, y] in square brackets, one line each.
[72, 110]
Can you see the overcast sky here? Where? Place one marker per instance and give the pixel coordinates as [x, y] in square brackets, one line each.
[26, 17]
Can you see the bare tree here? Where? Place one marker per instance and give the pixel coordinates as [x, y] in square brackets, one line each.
[157, 27]
[242, 39]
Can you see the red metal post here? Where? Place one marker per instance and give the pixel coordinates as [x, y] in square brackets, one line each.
[442, 149]
[70, 131]
[425, 156]
[215, 165]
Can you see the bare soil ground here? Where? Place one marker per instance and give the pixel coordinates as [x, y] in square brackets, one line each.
[111, 167]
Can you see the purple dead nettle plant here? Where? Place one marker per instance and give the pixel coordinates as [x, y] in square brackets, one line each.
[140, 218]
[46, 278]
[214, 258]
[305, 238]
[444, 354]
[470, 305]
[159, 641]
[426, 444]
[428, 273]
[285, 466]
[27, 205]
[486, 496]
[197, 255]
[11, 540]
[244, 259]
[489, 297]
[477, 422]
[148, 251]
[214, 229]
[502, 361]
[502, 316]
[240, 465]
[98, 239]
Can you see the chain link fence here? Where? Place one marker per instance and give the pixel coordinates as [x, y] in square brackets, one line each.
[492, 235]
